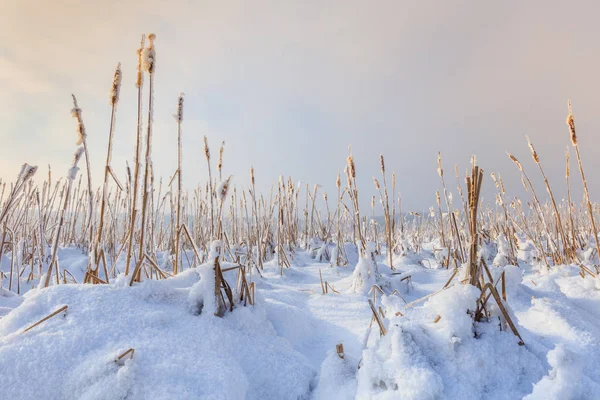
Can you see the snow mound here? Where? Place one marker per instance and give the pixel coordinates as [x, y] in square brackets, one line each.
[178, 353]
[451, 359]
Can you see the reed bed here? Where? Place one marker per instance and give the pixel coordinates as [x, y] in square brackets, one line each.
[125, 223]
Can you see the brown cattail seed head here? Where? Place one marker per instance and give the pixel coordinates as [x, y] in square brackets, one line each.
[116, 86]
[76, 113]
[338, 180]
[140, 75]
[220, 164]
[179, 115]
[440, 169]
[206, 149]
[382, 164]
[517, 163]
[252, 175]
[149, 55]
[351, 168]
[533, 152]
[571, 124]
[376, 183]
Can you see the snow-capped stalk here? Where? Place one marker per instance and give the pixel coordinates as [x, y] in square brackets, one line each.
[148, 65]
[114, 99]
[571, 124]
[138, 154]
[179, 119]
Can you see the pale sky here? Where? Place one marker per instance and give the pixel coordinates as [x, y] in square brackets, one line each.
[289, 85]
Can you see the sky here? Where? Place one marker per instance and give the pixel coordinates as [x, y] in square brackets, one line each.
[290, 85]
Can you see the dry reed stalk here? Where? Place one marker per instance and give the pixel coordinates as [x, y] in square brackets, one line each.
[558, 221]
[179, 119]
[126, 355]
[138, 154]
[148, 64]
[63, 308]
[571, 124]
[114, 99]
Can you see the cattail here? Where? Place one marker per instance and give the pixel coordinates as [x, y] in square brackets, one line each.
[325, 196]
[571, 124]
[376, 183]
[76, 113]
[140, 51]
[517, 163]
[438, 198]
[440, 169]
[116, 86]
[224, 188]
[348, 177]
[382, 164]
[533, 152]
[220, 164]
[179, 115]
[74, 168]
[338, 181]
[206, 149]
[149, 55]
[351, 168]
[252, 175]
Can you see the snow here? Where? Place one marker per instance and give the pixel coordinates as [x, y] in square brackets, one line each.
[283, 347]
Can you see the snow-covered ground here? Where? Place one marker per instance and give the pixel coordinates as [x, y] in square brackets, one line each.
[284, 346]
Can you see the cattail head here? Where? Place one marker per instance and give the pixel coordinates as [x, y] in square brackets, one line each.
[72, 174]
[571, 124]
[533, 152]
[440, 169]
[223, 189]
[149, 55]
[351, 168]
[438, 198]
[252, 175]
[76, 113]
[140, 51]
[325, 196]
[206, 149]
[27, 172]
[348, 177]
[220, 164]
[179, 114]
[372, 201]
[338, 181]
[394, 180]
[382, 162]
[116, 86]
[376, 183]
[514, 159]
